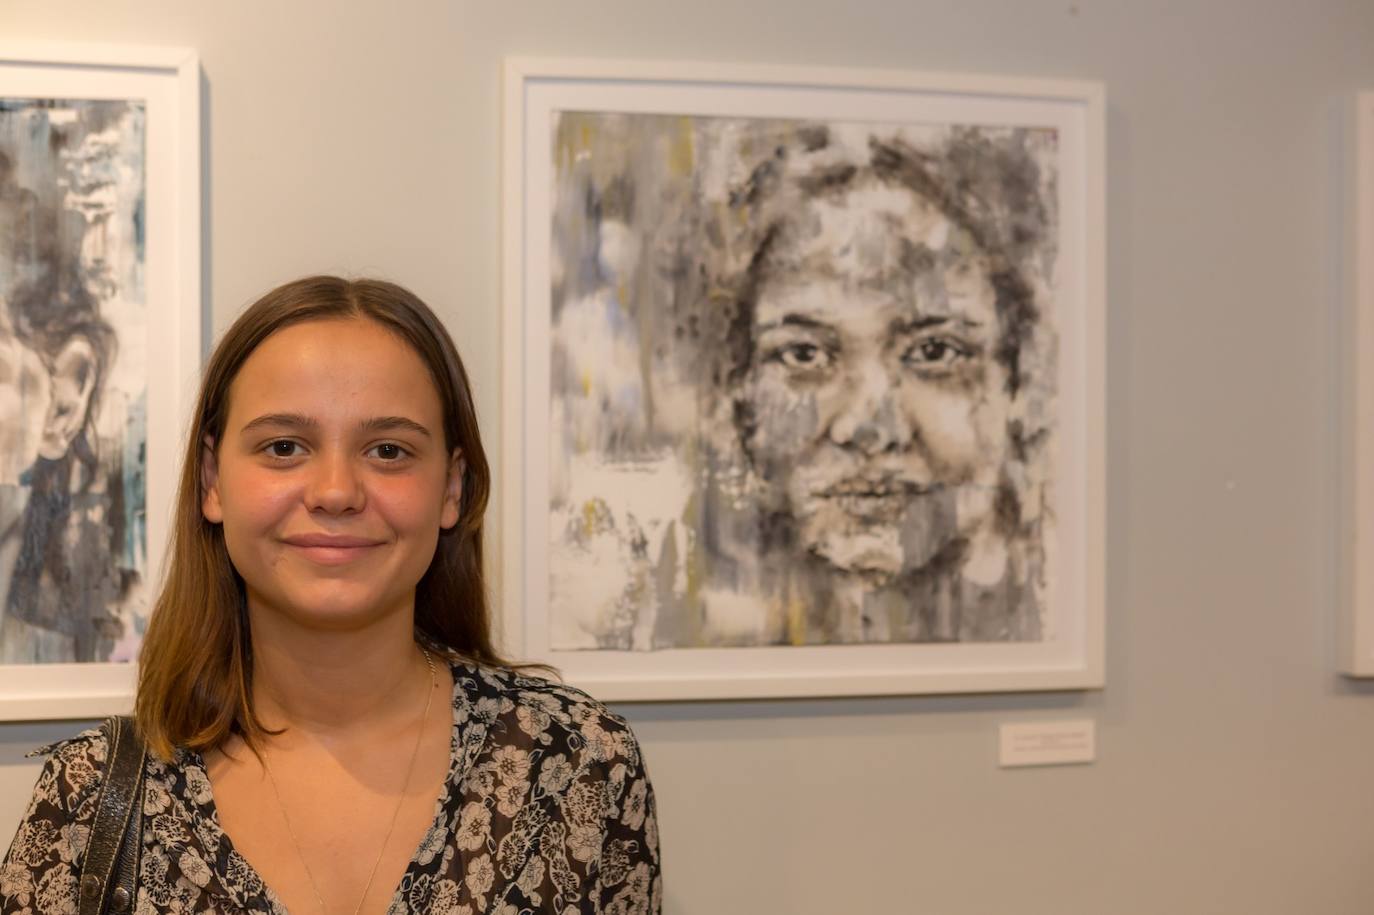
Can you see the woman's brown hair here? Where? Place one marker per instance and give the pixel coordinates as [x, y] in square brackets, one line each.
[196, 664]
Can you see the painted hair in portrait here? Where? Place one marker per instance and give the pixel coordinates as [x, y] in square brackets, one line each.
[73, 550]
[803, 382]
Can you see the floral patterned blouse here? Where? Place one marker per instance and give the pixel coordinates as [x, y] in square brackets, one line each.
[546, 809]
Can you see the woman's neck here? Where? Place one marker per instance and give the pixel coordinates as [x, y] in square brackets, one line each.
[332, 684]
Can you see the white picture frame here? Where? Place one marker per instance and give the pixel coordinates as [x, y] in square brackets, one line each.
[1072, 657]
[1357, 616]
[167, 81]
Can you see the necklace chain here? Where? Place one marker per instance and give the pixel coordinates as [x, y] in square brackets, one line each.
[395, 814]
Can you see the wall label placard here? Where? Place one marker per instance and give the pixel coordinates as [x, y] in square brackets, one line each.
[1047, 743]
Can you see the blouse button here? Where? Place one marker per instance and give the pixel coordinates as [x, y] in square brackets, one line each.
[90, 885]
[120, 898]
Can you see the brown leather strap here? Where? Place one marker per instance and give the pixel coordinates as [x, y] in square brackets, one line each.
[116, 834]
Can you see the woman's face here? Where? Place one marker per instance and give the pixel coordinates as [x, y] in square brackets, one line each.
[878, 414]
[332, 480]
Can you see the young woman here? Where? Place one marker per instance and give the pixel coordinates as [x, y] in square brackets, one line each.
[330, 728]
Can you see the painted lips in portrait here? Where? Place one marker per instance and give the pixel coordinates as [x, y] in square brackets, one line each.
[880, 498]
[874, 524]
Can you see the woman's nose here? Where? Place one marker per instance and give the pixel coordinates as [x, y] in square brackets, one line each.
[871, 419]
[335, 486]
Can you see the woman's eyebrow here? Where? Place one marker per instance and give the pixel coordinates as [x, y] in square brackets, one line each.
[301, 421]
[289, 420]
[393, 424]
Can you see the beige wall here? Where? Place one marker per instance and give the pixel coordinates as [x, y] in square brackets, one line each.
[1234, 766]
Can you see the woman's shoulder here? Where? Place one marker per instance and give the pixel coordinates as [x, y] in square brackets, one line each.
[547, 711]
[71, 777]
[90, 743]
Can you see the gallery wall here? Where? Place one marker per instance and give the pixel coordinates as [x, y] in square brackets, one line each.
[1232, 770]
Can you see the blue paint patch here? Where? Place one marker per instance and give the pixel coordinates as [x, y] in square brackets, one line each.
[135, 547]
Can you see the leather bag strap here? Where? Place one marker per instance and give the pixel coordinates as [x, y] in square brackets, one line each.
[110, 870]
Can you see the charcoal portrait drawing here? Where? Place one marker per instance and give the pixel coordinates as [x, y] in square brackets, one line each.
[72, 400]
[803, 382]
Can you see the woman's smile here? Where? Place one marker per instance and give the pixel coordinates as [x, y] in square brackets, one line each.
[333, 549]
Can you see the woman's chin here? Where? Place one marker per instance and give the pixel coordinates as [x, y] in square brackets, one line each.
[333, 609]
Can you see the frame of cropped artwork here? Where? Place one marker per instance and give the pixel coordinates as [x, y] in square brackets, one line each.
[541, 95]
[1357, 629]
[166, 83]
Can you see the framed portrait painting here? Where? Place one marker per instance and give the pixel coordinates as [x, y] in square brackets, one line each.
[99, 346]
[803, 380]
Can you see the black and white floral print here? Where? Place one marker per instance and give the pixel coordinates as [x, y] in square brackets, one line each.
[547, 809]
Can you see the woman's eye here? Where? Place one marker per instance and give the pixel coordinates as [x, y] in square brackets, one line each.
[389, 451]
[283, 449]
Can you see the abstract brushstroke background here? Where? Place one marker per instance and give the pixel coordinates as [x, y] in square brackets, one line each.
[802, 382]
[73, 557]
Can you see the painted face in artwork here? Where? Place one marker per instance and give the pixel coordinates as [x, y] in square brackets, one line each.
[877, 411]
[332, 480]
[44, 404]
[25, 394]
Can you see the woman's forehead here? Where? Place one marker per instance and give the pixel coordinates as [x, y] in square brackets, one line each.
[330, 365]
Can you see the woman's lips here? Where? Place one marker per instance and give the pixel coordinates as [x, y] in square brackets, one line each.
[331, 549]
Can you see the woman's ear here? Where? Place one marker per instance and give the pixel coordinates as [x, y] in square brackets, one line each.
[210, 505]
[73, 382]
[453, 490]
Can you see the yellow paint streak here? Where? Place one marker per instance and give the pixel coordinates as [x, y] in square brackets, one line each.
[796, 622]
[586, 384]
[741, 218]
[681, 151]
[589, 514]
[575, 135]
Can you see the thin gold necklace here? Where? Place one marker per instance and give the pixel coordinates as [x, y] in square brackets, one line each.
[395, 814]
